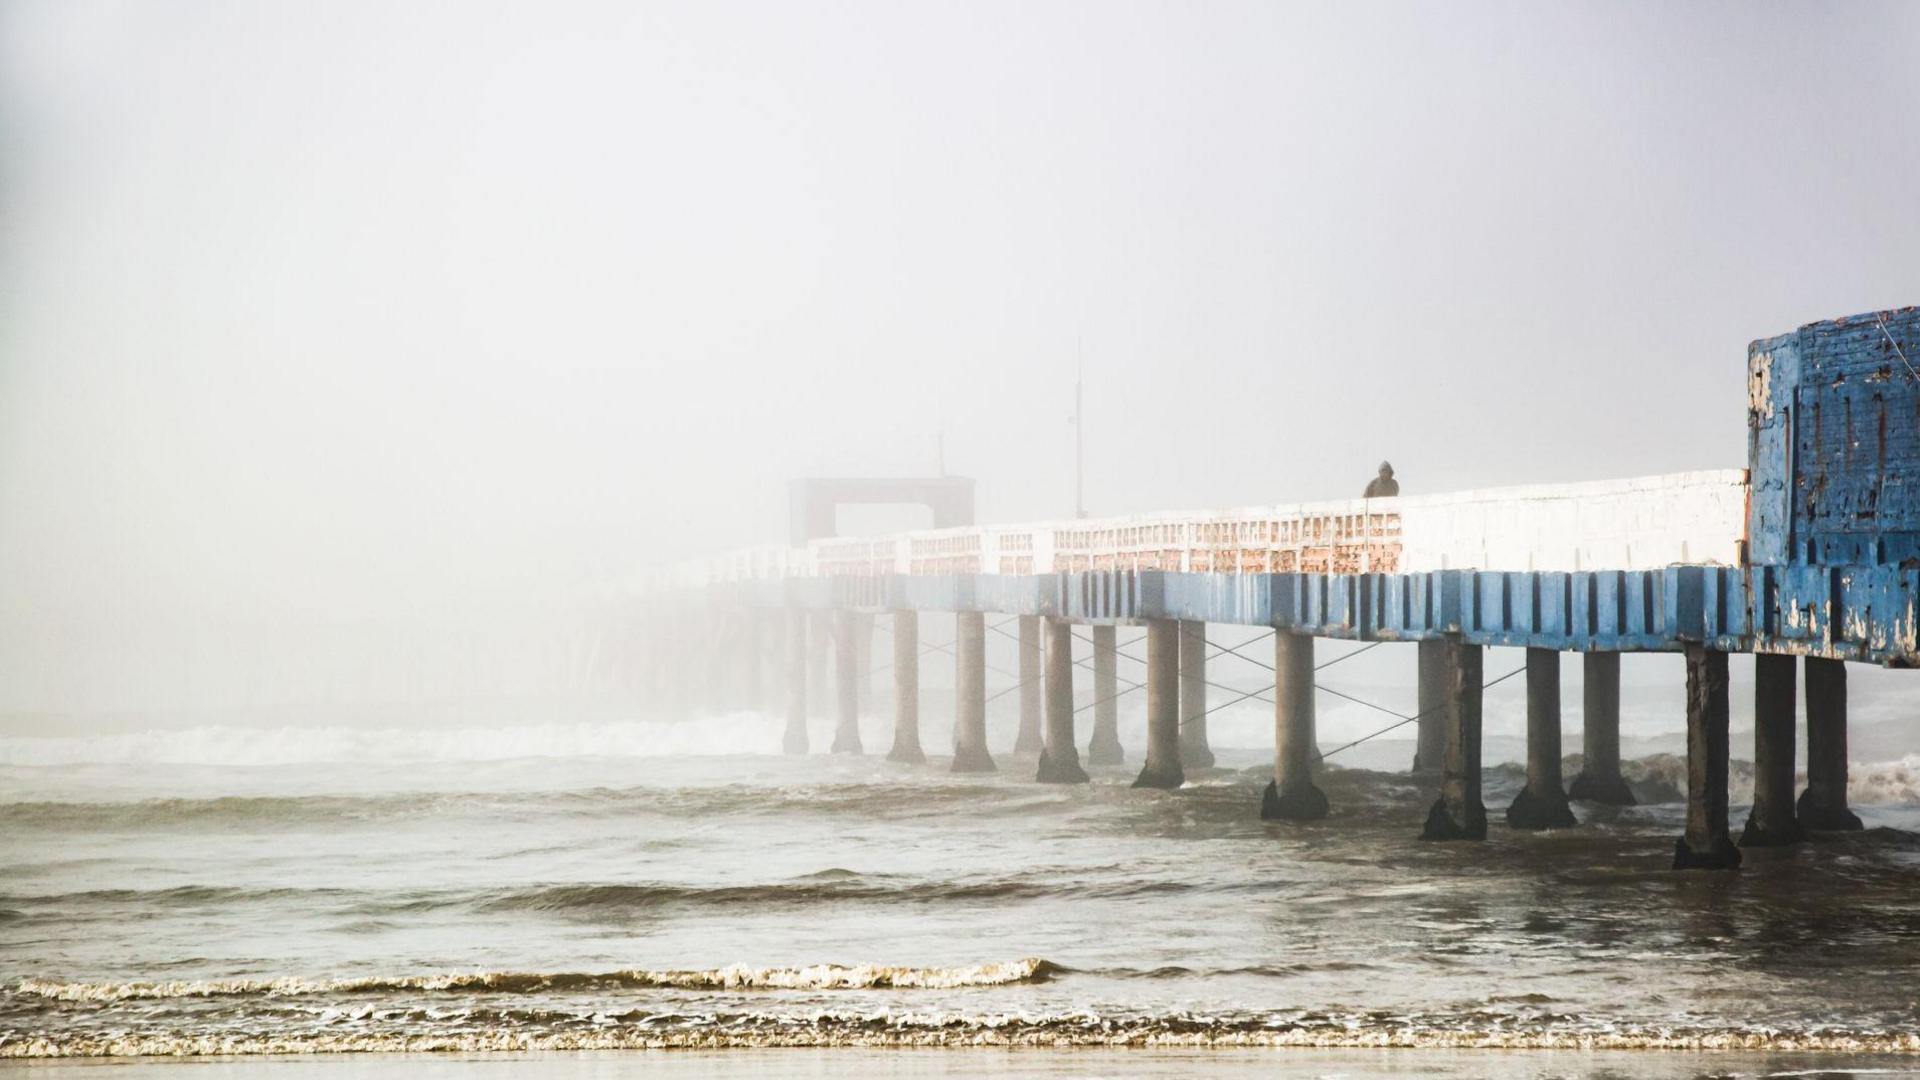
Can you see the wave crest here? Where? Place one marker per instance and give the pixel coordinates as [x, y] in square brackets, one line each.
[734, 977]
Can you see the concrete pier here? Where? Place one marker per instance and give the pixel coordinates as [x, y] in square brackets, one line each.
[1459, 814]
[1194, 751]
[846, 661]
[1706, 844]
[1542, 804]
[970, 693]
[1823, 806]
[1162, 769]
[1029, 739]
[1432, 743]
[1105, 747]
[1291, 794]
[1059, 758]
[819, 651]
[1772, 822]
[1600, 780]
[863, 658]
[906, 689]
[794, 741]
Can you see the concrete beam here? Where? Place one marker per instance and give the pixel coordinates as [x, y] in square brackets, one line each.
[1431, 746]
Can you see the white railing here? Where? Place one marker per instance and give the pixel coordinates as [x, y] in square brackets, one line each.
[1636, 524]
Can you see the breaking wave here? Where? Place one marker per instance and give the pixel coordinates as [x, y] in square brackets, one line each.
[735, 977]
[239, 745]
[890, 1028]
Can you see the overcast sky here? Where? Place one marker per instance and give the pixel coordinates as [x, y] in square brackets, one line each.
[329, 309]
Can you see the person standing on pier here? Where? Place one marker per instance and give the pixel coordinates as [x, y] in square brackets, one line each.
[1383, 486]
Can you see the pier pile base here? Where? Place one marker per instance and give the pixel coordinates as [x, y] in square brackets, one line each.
[906, 689]
[1162, 769]
[1706, 844]
[794, 741]
[1027, 739]
[1772, 823]
[1291, 795]
[1600, 780]
[1823, 806]
[1059, 761]
[1105, 747]
[970, 682]
[1542, 804]
[1194, 751]
[1459, 814]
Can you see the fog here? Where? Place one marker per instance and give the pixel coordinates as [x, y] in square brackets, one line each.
[362, 352]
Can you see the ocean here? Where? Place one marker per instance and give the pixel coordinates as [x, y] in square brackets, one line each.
[572, 893]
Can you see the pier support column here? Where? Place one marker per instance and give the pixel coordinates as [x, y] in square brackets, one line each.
[1431, 745]
[794, 741]
[1059, 759]
[863, 658]
[1706, 845]
[1291, 794]
[1772, 822]
[1600, 780]
[1105, 748]
[1823, 806]
[1542, 804]
[906, 689]
[1459, 814]
[1029, 739]
[1162, 769]
[970, 686]
[846, 660]
[1194, 751]
[819, 649]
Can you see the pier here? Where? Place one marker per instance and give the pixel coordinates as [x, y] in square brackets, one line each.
[1808, 559]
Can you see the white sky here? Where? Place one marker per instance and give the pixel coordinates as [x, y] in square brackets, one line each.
[356, 309]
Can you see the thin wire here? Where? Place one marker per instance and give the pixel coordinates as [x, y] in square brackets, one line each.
[1410, 719]
[1882, 319]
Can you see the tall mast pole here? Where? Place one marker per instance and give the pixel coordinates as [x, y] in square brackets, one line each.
[1079, 450]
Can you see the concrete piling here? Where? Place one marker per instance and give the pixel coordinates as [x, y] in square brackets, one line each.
[794, 741]
[906, 689]
[1542, 803]
[1105, 747]
[846, 660]
[1291, 794]
[1772, 822]
[1029, 740]
[970, 683]
[1162, 769]
[863, 658]
[1600, 780]
[1431, 744]
[1059, 759]
[1706, 844]
[1459, 814]
[819, 649]
[1823, 806]
[1194, 751]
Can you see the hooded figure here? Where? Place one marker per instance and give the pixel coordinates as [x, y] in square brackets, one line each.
[1382, 486]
